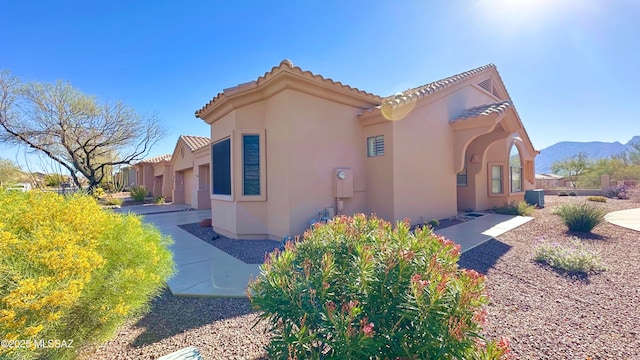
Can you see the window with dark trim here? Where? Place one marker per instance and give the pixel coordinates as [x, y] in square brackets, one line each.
[221, 167]
[250, 164]
[375, 146]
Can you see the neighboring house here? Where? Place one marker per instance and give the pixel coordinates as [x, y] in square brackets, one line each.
[156, 175]
[292, 144]
[127, 176]
[549, 181]
[190, 162]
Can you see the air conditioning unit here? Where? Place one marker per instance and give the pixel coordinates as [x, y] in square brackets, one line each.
[535, 197]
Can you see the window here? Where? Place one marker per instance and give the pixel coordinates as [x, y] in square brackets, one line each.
[461, 177]
[515, 169]
[375, 146]
[496, 179]
[221, 167]
[251, 164]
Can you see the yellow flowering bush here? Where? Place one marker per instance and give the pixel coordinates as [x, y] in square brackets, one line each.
[72, 271]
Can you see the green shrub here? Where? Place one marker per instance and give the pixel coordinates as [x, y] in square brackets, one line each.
[581, 217]
[562, 193]
[434, 223]
[574, 259]
[72, 271]
[572, 193]
[54, 180]
[159, 200]
[114, 201]
[138, 193]
[356, 288]
[597, 198]
[521, 208]
[98, 192]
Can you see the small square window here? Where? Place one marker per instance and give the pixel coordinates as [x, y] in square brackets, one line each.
[375, 146]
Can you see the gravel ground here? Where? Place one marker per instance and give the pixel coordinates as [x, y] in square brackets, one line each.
[249, 251]
[545, 314]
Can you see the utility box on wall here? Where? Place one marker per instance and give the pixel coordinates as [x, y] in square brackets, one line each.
[343, 180]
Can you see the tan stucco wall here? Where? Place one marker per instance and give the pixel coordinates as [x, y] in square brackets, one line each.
[379, 174]
[191, 176]
[308, 138]
[424, 180]
[202, 181]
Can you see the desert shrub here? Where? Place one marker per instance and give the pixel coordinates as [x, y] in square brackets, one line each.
[434, 223]
[618, 192]
[513, 208]
[114, 201]
[573, 193]
[159, 200]
[138, 193]
[54, 180]
[98, 192]
[355, 288]
[562, 193]
[581, 217]
[72, 271]
[597, 198]
[577, 258]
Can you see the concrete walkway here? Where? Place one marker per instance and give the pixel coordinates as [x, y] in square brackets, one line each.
[626, 218]
[204, 270]
[477, 231]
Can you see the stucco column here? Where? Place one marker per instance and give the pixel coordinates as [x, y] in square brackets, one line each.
[178, 188]
[605, 181]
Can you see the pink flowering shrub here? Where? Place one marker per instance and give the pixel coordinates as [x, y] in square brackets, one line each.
[357, 288]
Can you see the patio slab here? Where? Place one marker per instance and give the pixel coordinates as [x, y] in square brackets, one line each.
[629, 219]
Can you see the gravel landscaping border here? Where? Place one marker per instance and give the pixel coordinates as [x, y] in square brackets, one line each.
[544, 313]
[248, 251]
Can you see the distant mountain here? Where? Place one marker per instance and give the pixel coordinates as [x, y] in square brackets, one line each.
[565, 149]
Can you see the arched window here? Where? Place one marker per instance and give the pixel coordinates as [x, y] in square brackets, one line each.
[515, 169]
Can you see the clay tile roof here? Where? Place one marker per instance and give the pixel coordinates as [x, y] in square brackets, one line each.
[286, 65]
[419, 92]
[485, 110]
[156, 159]
[195, 142]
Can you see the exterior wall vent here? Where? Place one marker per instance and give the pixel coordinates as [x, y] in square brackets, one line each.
[488, 86]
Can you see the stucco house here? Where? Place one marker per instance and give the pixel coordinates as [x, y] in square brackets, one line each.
[190, 162]
[292, 144]
[156, 175]
[549, 181]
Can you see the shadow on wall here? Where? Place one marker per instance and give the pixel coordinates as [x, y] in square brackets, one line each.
[483, 257]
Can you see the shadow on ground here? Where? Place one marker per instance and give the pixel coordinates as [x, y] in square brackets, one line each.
[171, 315]
[587, 235]
[483, 257]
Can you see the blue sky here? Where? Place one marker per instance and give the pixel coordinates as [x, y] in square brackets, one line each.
[570, 66]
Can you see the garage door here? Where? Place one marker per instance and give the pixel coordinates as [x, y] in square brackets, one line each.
[188, 187]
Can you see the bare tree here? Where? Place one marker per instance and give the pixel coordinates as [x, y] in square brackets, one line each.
[77, 131]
